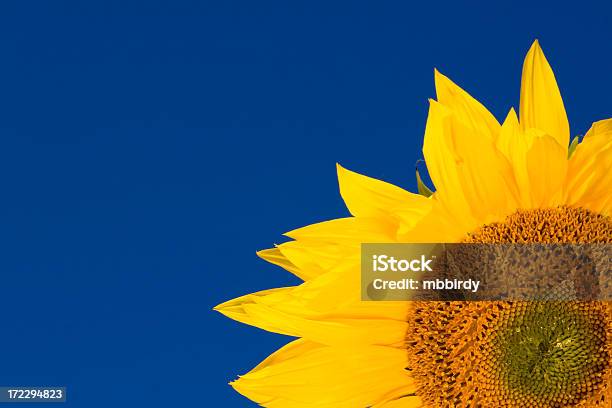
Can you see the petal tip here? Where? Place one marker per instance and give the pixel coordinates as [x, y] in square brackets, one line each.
[341, 170]
[535, 46]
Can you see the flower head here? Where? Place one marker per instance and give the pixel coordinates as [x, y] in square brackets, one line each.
[516, 182]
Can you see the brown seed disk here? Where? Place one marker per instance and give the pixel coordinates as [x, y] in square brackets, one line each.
[517, 354]
[550, 225]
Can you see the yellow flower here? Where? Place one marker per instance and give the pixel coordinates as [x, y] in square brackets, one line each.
[520, 181]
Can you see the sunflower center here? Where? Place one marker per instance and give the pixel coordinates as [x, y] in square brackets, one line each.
[550, 225]
[547, 353]
[517, 354]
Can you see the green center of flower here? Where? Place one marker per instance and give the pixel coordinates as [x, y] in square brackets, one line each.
[550, 352]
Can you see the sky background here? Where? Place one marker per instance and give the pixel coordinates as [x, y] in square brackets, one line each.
[147, 150]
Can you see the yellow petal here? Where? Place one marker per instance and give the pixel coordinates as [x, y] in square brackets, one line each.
[588, 177]
[274, 256]
[368, 197]
[311, 257]
[320, 247]
[510, 134]
[404, 402]
[288, 311]
[442, 163]
[437, 226]
[349, 231]
[514, 145]
[303, 374]
[234, 309]
[317, 257]
[547, 168]
[541, 106]
[320, 296]
[473, 180]
[285, 353]
[467, 109]
[538, 163]
[602, 206]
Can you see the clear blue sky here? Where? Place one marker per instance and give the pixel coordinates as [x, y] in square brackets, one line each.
[147, 150]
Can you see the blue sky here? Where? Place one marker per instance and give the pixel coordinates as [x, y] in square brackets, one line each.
[148, 149]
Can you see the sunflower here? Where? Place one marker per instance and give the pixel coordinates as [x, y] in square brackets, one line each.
[517, 182]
